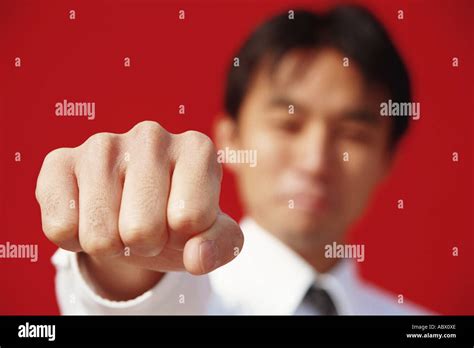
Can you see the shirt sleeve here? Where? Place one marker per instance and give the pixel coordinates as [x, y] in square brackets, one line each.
[176, 293]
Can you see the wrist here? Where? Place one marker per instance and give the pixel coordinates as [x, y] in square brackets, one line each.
[114, 279]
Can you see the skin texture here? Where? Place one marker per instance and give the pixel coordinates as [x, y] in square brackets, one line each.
[148, 203]
[137, 201]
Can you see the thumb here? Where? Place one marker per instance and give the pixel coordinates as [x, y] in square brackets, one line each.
[215, 247]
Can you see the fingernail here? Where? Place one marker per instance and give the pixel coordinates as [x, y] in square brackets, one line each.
[208, 255]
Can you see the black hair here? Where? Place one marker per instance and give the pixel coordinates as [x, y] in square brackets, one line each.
[352, 30]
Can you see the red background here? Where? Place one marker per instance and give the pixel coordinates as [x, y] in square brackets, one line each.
[184, 62]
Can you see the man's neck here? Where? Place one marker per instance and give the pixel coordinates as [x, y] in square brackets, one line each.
[312, 250]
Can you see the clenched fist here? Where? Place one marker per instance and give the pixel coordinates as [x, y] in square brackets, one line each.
[147, 197]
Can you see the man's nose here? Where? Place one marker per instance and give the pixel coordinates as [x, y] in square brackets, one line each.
[314, 152]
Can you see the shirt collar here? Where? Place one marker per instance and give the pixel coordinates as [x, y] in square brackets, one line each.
[269, 277]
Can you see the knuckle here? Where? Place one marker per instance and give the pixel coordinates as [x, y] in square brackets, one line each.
[97, 152]
[199, 141]
[149, 135]
[101, 141]
[96, 245]
[97, 157]
[148, 126]
[189, 220]
[57, 156]
[205, 151]
[141, 234]
[59, 232]
[202, 146]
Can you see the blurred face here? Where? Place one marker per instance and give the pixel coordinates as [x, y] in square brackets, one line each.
[321, 145]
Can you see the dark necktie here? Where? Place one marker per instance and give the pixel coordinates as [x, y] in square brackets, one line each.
[320, 300]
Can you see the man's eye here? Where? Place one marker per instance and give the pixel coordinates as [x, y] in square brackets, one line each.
[288, 126]
[360, 134]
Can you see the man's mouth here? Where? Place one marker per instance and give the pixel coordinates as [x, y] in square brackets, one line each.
[307, 202]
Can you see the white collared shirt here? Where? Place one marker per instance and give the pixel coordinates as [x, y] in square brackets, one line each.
[266, 278]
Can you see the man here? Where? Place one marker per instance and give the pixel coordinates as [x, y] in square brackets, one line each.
[306, 98]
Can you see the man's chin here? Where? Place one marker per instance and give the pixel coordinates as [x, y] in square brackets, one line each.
[302, 225]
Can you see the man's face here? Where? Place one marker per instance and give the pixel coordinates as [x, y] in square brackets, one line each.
[317, 166]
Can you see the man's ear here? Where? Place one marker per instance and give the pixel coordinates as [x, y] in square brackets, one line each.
[226, 136]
